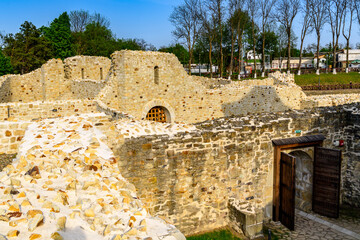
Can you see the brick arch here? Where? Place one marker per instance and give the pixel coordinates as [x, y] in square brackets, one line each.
[159, 103]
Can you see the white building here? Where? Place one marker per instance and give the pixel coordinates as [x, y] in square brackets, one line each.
[250, 55]
[354, 56]
[306, 62]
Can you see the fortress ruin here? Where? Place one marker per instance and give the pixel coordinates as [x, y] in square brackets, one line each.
[206, 161]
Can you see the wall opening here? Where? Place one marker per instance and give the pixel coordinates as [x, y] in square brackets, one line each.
[158, 114]
[303, 180]
[101, 74]
[82, 74]
[156, 75]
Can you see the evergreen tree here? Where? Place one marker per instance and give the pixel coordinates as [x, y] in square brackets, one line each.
[5, 65]
[27, 49]
[59, 34]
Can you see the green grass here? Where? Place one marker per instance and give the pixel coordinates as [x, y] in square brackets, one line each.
[217, 235]
[327, 78]
[274, 234]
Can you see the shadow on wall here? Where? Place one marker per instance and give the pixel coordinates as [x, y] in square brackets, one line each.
[258, 99]
[5, 91]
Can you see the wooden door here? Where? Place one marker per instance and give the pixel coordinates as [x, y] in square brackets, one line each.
[326, 184]
[287, 191]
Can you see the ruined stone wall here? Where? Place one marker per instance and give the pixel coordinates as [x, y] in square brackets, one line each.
[139, 81]
[352, 173]
[5, 91]
[191, 177]
[25, 88]
[48, 109]
[11, 134]
[86, 89]
[56, 80]
[87, 67]
[53, 83]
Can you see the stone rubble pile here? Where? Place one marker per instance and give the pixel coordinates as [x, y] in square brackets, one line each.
[65, 184]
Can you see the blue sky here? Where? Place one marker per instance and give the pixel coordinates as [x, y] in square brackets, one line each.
[146, 19]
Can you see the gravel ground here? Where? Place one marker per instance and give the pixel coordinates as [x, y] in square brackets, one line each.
[6, 159]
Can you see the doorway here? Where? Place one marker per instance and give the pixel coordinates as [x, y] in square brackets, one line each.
[325, 178]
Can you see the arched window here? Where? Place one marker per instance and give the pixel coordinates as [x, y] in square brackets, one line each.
[156, 75]
[82, 73]
[158, 114]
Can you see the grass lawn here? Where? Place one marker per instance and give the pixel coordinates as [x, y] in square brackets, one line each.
[217, 235]
[329, 78]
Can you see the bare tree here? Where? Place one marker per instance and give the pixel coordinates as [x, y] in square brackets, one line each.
[307, 27]
[357, 7]
[233, 25]
[282, 39]
[336, 10]
[216, 7]
[79, 19]
[241, 20]
[209, 30]
[348, 15]
[187, 21]
[100, 20]
[319, 15]
[253, 10]
[266, 9]
[286, 13]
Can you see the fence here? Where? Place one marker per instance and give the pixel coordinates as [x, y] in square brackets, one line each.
[332, 87]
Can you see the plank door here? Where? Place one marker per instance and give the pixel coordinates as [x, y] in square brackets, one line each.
[287, 191]
[326, 184]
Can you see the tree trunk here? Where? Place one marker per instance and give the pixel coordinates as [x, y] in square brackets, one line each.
[347, 55]
[240, 54]
[289, 51]
[232, 53]
[190, 57]
[210, 59]
[253, 35]
[334, 60]
[263, 54]
[220, 42]
[318, 52]
[300, 58]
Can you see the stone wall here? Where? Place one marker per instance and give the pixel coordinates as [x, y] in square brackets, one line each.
[87, 67]
[48, 109]
[139, 81]
[11, 134]
[86, 89]
[352, 173]
[191, 177]
[24, 88]
[56, 80]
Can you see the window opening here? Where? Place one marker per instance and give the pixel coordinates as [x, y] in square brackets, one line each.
[157, 114]
[156, 75]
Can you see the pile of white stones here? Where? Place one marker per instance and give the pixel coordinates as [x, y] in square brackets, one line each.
[65, 184]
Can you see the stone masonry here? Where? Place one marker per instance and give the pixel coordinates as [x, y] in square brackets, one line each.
[212, 170]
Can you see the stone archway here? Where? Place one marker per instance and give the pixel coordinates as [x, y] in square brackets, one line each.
[162, 106]
[303, 180]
